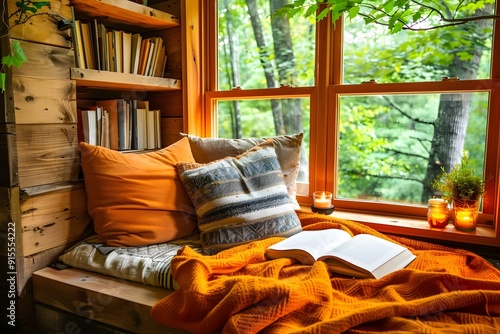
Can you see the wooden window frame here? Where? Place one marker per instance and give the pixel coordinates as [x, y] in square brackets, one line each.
[324, 95]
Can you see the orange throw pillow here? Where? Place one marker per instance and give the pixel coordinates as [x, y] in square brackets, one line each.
[137, 199]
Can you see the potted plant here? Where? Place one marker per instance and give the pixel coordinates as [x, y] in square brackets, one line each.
[463, 188]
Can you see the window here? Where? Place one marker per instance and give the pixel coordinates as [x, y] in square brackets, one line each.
[381, 113]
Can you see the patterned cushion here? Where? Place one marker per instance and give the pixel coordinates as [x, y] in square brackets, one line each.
[239, 199]
[149, 265]
[287, 149]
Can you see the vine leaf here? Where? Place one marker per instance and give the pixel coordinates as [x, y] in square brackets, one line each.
[2, 81]
[16, 57]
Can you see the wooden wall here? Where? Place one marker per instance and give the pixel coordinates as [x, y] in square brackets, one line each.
[42, 195]
[42, 201]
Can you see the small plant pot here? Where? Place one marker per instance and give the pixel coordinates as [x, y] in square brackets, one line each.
[465, 214]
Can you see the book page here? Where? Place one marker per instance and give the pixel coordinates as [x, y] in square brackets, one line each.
[367, 251]
[316, 243]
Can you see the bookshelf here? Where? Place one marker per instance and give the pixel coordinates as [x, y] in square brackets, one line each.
[108, 81]
[115, 80]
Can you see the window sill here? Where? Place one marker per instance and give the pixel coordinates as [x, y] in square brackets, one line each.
[419, 228]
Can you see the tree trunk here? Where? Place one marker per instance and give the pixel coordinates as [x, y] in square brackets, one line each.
[451, 124]
[265, 62]
[235, 80]
[285, 63]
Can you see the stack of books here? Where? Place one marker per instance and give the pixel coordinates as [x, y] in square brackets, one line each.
[100, 48]
[120, 124]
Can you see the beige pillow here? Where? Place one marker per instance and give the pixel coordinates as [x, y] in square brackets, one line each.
[137, 199]
[287, 149]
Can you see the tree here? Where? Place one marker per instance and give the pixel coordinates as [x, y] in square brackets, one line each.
[393, 14]
[378, 125]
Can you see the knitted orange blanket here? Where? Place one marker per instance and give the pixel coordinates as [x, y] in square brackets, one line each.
[239, 291]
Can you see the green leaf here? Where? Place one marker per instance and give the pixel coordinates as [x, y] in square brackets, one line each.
[323, 14]
[40, 4]
[16, 57]
[311, 10]
[2, 81]
[353, 11]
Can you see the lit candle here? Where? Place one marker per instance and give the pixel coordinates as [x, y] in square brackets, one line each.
[438, 219]
[464, 219]
[322, 199]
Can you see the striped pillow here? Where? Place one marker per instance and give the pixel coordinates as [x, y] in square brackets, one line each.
[239, 199]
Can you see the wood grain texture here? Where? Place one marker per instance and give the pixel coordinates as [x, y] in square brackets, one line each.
[192, 31]
[46, 231]
[45, 61]
[42, 28]
[169, 103]
[171, 127]
[44, 100]
[47, 153]
[125, 81]
[36, 262]
[119, 303]
[9, 174]
[53, 219]
[116, 12]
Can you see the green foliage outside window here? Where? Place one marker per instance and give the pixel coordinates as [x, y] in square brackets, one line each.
[387, 143]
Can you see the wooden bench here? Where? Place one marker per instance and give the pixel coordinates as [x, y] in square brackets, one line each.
[76, 301]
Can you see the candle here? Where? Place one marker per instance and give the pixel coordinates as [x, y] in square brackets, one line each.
[437, 216]
[464, 219]
[438, 219]
[322, 199]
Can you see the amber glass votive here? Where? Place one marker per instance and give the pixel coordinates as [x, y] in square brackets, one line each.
[437, 215]
[465, 215]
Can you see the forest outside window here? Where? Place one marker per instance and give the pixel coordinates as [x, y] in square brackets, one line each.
[400, 106]
[432, 103]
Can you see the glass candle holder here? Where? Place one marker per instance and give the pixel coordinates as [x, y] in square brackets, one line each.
[465, 215]
[437, 215]
[322, 202]
[322, 199]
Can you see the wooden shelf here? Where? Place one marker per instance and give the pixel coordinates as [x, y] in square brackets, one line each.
[122, 81]
[126, 12]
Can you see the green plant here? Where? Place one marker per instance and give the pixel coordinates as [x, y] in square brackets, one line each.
[25, 11]
[460, 183]
[396, 15]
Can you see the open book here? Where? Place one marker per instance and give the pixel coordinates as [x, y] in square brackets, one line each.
[362, 256]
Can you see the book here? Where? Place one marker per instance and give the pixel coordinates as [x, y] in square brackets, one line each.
[142, 130]
[111, 107]
[89, 126]
[126, 51]
[134, 145]
[364, 255]
[88, 45]
[136, 52]
[76, 41]
[157, 115]
[111, 51]
[118, 51]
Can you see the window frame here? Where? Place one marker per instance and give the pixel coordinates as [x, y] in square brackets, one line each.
[324, 96]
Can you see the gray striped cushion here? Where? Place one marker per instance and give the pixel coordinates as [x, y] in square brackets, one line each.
[240, 199]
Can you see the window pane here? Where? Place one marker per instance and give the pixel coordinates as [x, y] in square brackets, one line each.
[261, 118]
[257, 50]
[462, 51]
[393, 146]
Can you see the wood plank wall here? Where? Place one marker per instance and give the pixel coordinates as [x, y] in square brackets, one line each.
[41, 190]
[39, 157]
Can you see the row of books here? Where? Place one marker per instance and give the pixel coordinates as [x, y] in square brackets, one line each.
[99, 48]
[120, 124]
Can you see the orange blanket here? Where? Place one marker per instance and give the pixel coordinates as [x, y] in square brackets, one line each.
[238, 291]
